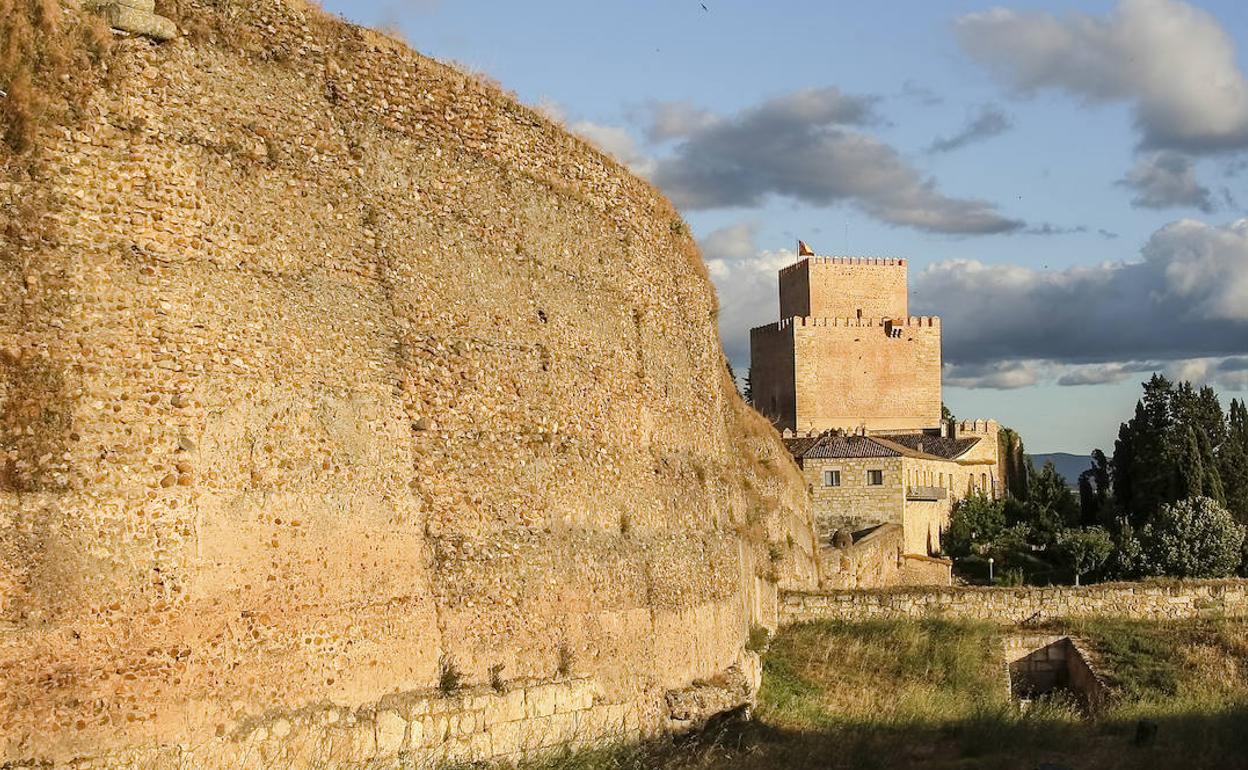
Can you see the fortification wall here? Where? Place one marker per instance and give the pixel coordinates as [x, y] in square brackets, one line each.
[851, 373]
[848, 287]
[771, 373]
[1143, 601]
[324, 363]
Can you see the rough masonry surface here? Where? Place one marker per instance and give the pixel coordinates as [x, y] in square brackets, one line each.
[321, 363]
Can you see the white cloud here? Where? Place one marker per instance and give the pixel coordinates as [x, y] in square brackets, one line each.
[1173, 62]
[997, 375]
[672, 120]
[745, 278]
[1187, 298]
[1204, 266]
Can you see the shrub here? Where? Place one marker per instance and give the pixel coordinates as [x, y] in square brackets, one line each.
[758, 640]
[1196, 537]
[566, 660]
[1010, 577]
[450, 678]
[496, 678]
[1084, 549]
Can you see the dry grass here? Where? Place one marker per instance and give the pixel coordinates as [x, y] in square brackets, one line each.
[932, 694]
[50, 61]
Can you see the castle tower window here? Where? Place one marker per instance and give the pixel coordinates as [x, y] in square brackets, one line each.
[831, 478]
[875, 478]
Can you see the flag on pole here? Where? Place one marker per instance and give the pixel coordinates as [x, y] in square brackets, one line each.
[803, 250]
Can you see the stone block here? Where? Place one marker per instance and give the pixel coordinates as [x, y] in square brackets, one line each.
[391, 733]
[508, 737]
[138, 21]
[539, 701]
[505, 708]
[148, 6]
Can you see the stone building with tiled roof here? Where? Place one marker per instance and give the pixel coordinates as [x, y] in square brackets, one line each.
[859, 481]
[853, 382]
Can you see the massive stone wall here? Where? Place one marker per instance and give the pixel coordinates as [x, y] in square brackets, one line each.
[1145, 601]
[324, 366]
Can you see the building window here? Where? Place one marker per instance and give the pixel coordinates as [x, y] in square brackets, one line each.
[875, 478]
[831, 478]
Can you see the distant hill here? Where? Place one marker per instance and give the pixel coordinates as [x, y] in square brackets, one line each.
[1070, 466]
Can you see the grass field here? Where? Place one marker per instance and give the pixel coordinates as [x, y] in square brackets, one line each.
[932, 694]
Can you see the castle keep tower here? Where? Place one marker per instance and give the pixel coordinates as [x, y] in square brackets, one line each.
[846, 353]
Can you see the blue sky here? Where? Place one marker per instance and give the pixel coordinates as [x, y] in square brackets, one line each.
[1065, 178]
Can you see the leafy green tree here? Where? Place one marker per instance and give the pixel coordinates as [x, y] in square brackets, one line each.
[1189, 476]
[1012, 546]
[1143, 472]
[1126, 558]
[975, 519]
[748, 392]
[1050, 506]
[1200, 409]
[1191, 538]
[1084, 549]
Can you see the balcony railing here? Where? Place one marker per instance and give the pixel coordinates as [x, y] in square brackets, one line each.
[926, 493]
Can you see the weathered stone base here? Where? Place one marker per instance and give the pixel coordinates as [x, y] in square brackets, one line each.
[430, 729]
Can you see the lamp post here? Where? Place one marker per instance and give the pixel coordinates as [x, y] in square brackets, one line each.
[990, 570]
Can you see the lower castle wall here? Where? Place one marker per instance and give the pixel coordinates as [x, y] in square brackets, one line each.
[1144, 601]
[524, 720]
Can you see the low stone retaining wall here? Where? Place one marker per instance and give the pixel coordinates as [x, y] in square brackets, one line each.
[1151, 601]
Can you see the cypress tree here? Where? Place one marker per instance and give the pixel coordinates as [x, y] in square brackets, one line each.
[1189, 474]
[1211, 479]
[1233, 462]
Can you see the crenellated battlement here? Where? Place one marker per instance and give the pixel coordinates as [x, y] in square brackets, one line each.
[833, 260]
[930, 321]
[977, 427]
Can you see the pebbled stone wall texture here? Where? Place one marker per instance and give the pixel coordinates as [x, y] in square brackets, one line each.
[1145, 601]
[321, 363]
